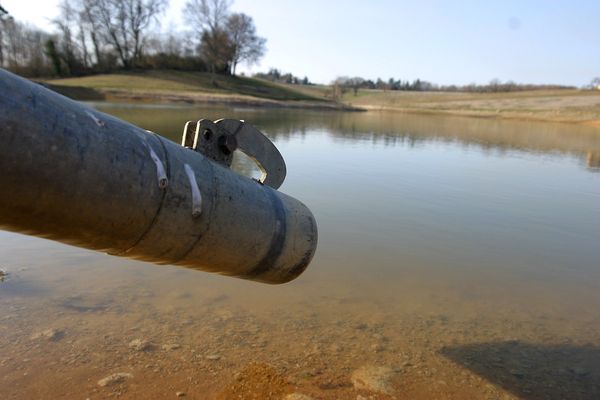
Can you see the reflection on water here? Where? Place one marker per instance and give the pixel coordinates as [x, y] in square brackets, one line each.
[457, 255]
[593, 160]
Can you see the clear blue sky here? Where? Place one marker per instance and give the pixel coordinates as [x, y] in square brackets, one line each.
[444, 42]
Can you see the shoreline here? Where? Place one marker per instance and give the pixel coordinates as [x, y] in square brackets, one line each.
[567, 115]
[502, 115]
[81, 93]
[217, 99]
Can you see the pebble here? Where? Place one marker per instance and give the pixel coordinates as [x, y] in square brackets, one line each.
[114, 379]
[361, 326]
[213, 357]
[579, 371]
[140, 345]
[377, 348]
[297, 396]
[374, 379]
[180, 394]
[171, 346]
[50, 334]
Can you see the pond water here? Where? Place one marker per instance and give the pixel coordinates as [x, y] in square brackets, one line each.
[457, 258]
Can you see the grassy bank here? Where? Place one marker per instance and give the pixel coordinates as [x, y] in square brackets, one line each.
[566, 105]
[188, 87]
[561, 105]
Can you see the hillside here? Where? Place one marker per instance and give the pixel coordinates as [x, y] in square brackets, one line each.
[559, 105]
[188, 87]
[566, 105]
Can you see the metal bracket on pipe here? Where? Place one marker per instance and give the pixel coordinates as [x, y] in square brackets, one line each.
[219, 139]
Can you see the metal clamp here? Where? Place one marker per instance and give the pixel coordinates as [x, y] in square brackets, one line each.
[219, 139]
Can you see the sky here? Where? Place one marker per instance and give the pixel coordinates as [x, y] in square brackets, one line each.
[444, 42]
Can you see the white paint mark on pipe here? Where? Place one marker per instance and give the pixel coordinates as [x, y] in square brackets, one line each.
[163, 181]
[98, 121]
[196, 195]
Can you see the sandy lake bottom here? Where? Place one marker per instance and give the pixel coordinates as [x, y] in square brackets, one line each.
[458, 259]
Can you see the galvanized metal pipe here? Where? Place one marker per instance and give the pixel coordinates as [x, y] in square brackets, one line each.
[82, 177]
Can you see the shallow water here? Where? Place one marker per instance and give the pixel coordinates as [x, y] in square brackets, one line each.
[461, 253]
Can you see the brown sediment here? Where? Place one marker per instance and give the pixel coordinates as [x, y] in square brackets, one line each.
[243, 346]
[256, 381]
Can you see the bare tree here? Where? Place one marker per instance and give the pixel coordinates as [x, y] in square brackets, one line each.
[206, 15]
[215, 49]
[225, 39]
[246, 45]
[89, 24]
[122, 24]
[67, 49]
[208, 19]
[23, 48]
[3, 13]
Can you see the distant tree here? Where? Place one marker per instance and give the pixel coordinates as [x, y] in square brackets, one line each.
[595, 83]
[22, 49]
[3, 13]
[391, 84]
[275, 73]
[226, 39]
[355, 84]
[206, 15]
[67, 50]
[123, 25]
[89, 24]
[495, 85]
[208, 19]
[216, 50]
[417, 85]
[246, 45]
[52, 53]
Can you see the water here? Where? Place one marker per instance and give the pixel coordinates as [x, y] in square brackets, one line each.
[460, 253]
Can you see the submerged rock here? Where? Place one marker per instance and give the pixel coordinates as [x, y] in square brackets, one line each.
[140, 345]
[50, 334]
[374, 379]
[114, 379]
[171, 346]
[298, 396]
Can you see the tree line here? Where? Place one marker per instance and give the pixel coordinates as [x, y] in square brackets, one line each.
[275, 75]
[342, 85]
[99, 36]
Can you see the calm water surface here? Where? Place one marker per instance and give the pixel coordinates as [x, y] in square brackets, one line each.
[462, 254]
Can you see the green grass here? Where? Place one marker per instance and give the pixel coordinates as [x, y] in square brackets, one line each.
[182, 81]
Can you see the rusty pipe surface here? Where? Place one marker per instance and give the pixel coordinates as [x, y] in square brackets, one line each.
[79, 176]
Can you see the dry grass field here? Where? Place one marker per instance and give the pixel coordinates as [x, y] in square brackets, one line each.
[549, 105]
[566, 105]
